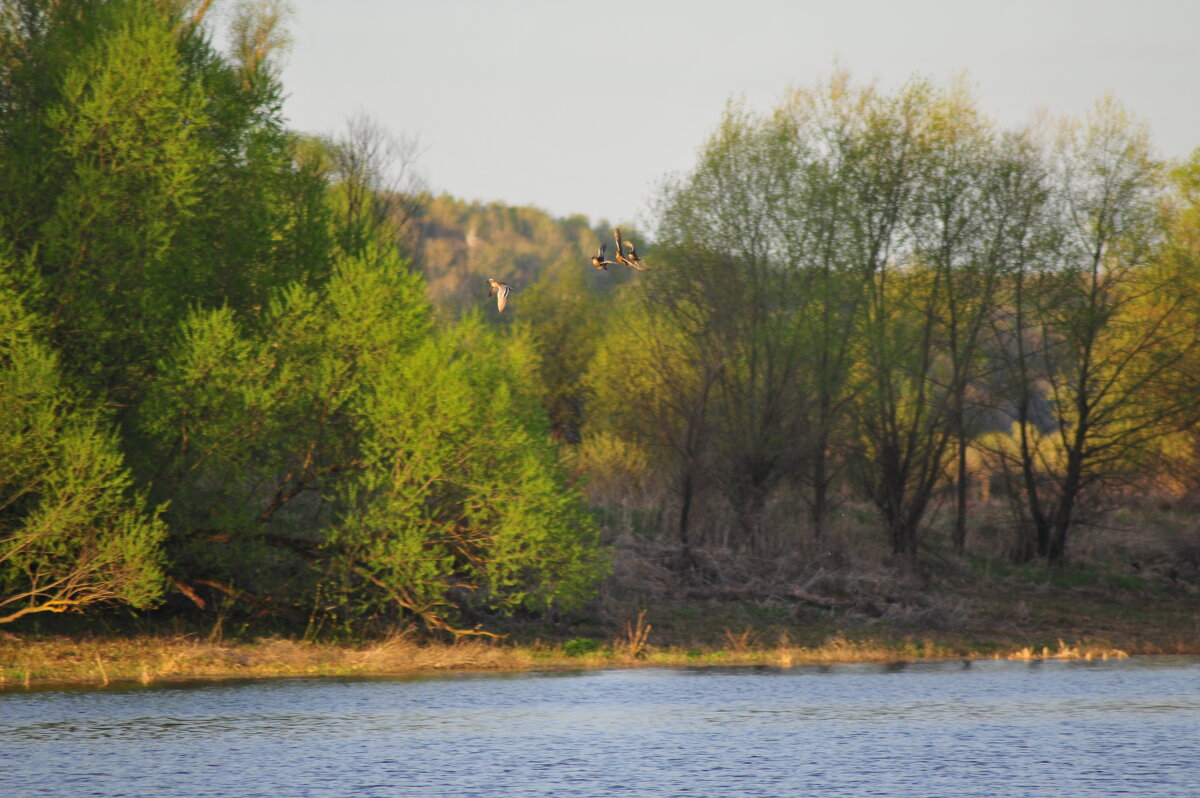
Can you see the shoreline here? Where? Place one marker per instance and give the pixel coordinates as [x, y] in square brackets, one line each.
[61, 662]
[956, 618]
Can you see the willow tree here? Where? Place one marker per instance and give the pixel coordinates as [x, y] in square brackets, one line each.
[461, 504]
[748, 272]
[1102, 331]
[652, 390]
[566, 319]
[338, 450]
[251, 416]
[824, 126]
[131, 166]
[984, 195]
[821, 257]
[144, 173]
[1177, 464]
[897, 411]
[73, 531]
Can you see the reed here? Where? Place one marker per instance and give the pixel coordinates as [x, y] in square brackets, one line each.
[637, 634]
[1084, 651]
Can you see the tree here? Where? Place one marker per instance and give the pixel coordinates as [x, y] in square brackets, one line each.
[462, 502]
[126, 126]
[651, 388]
[729, 281]
[825, 124]
[1177, 458]
[376, 186]
[118, 121]
[982, 196]
[901, 403]
[1096, 331]
[565, 317]
[73, 533]
[340, 447]
[251, 422]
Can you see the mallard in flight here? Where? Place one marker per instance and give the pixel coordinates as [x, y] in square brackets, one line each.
[501, 292]
[598, 259]
[620, 248]
[633, 258]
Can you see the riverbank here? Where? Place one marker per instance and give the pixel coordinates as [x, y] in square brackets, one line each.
[646, 615]
[147, 660]
[1059, 624]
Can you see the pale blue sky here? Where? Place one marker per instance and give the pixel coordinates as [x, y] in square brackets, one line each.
[583, 107]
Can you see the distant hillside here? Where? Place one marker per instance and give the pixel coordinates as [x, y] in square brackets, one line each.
[460, 244]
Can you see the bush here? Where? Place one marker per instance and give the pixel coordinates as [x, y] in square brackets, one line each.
[581, 647]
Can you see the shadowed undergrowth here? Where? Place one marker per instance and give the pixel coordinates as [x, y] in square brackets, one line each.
[1131, 592]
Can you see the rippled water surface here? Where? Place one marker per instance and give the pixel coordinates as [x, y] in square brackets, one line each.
[1127, 727]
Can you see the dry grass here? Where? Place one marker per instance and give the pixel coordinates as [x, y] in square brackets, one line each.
[101, 662]
[1079, 651]
[156, 659]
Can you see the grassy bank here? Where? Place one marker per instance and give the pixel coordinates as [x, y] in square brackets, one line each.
[1135, 591]
[147, 660]
[1061, 622]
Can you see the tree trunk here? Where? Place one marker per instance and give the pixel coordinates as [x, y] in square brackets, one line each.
[685, 511]
[961, 487]
[819, 506]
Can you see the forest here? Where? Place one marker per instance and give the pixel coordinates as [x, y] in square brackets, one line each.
[250, 372]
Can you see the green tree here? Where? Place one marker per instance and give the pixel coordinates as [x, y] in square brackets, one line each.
[462, 501]
[118, 121]
[989, 213]
[565, 318]
[251, 422]
[729, 279]
[1177, 468]
[73, 533]
[651, 389]
[306, 453]
[126, 125]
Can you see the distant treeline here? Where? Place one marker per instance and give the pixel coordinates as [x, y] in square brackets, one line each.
[245, 369]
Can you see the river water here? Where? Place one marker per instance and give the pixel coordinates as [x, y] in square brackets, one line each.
[1121, 727]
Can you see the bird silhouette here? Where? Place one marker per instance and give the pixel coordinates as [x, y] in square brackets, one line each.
[632, 256]
[501, 292]
[620, 256]
[598, 259]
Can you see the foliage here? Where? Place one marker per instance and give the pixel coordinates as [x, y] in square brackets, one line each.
[854, 295]
[73, 532]
[341, 431]
[581, 647]
[651, 391]
[1098, 330]
[237, 295]
[565, 319]
[860, 286]
[462, 497]
[143, 175]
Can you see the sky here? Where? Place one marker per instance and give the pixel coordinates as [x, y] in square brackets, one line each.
[584, 108]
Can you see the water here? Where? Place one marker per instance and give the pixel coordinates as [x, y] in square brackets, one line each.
[934, 729]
